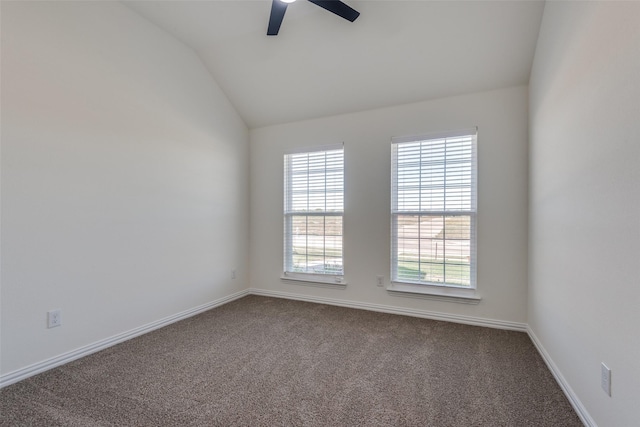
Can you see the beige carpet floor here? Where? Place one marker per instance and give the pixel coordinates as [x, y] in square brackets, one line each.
[270, 362]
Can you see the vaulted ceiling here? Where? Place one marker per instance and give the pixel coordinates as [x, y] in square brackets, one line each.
[396, 52]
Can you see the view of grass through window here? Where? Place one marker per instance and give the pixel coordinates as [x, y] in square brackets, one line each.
[434, 209]
[313, 210]
[317, 244]
[431, 248]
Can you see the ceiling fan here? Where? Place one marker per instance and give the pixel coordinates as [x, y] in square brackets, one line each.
[279, 7]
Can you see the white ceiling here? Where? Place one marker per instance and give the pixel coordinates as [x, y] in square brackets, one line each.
[396, 52]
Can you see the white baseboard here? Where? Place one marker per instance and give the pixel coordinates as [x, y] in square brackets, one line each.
[566, 388]
[26, 372]
[45, 365]
[425, 314]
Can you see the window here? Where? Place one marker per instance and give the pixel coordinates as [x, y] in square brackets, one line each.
[313, 212]
[433, 210]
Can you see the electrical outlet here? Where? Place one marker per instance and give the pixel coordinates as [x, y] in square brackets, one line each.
[54, 318]
[605, 378]
[380, 281]
[233, 274]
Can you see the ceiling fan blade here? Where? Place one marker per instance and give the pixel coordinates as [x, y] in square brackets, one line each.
[278, 8]
[337, 7]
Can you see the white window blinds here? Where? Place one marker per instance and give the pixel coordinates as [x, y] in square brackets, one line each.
[313, 212]
[433, 209]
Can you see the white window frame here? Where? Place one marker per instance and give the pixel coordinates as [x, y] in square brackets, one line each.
[333, 207]
[400, 208]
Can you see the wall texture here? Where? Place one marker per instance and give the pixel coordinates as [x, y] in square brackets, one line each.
[584, 202]
[501, 117]
[124, 178]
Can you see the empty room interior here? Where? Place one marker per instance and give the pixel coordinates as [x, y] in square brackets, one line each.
[320, 213]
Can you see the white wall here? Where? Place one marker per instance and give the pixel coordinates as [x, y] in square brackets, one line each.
[124, 178]
[584, 287]
[502, 209]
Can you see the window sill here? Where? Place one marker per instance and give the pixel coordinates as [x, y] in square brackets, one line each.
[315, 280]
[438, 293]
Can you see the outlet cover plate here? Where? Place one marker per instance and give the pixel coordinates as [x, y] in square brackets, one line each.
[54, 318]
